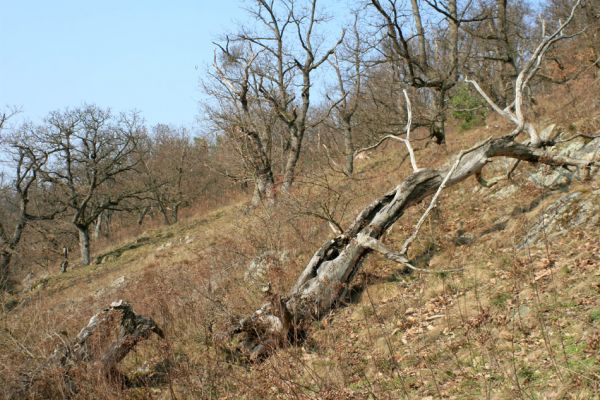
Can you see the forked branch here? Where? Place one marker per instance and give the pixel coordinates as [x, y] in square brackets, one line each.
[405, 140]
[528, 71]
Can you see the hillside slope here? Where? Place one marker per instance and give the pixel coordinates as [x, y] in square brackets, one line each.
[521, 319]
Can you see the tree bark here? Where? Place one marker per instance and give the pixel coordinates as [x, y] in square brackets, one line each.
[328, 274]
[142, 215]
[422, 57]
[5, 257]
[437, 129]
[264, 185]
[508, 70]
[175, 212]
[98, 227]
[349, 148]
[291, 162]
[84, 243]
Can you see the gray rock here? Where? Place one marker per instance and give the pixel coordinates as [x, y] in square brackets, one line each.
[569, 211]
[553, 179]
[506, 192]
[164, 246]
[28, 282]
[592, 146]
[560, 178]
[258, 269]
[117, 283]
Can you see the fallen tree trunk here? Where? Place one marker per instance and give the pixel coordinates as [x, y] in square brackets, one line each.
[92, 346]
[330, 271]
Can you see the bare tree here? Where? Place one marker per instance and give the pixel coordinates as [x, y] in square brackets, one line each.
[433, 64]
[243, 117]
[290, 53]
[493, 46]
[90, 153]
[17, 211]
[172, 169]
[350, 73]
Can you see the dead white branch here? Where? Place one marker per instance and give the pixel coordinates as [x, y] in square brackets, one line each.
[405, 140]
[528, 71]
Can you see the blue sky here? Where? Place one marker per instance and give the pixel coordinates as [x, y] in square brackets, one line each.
[125, 54]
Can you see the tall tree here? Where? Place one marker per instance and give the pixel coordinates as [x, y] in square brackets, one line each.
[432, 64]
[90, 154]
[350, 72]
[16, 210]
[243, 117]
[172, 169]
[290, 53]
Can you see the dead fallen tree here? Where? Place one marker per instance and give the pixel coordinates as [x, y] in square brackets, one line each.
[329, 273]
[93, 348]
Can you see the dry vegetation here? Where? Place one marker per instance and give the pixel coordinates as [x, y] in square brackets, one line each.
[515, 322]
[504, 302]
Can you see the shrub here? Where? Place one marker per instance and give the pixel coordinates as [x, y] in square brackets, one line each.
[468, 107]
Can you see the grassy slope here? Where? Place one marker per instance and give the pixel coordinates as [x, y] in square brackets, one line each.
[512, 324]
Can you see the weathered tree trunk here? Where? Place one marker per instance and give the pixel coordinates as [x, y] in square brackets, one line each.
[84, 243]
[90, 347]
[292, 161]
[264, 187]
[326, 278]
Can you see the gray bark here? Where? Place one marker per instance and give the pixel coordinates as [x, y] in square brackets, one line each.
[84, 243]
[349, 148]
[263, 187]
[420, 33]
[509, 68]
[291, 162]
[142, 215]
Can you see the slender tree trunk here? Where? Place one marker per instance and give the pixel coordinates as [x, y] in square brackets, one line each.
[349, 149]
[175, 213]
[5, 257]
[508, 70]
[438, 126]
[142, 215]
[84, 244]
[164, 212]
[420, 33]
[98, 227]
[453, 23]
[291, 162]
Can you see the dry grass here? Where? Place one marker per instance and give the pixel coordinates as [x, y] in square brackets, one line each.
[513, 324]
